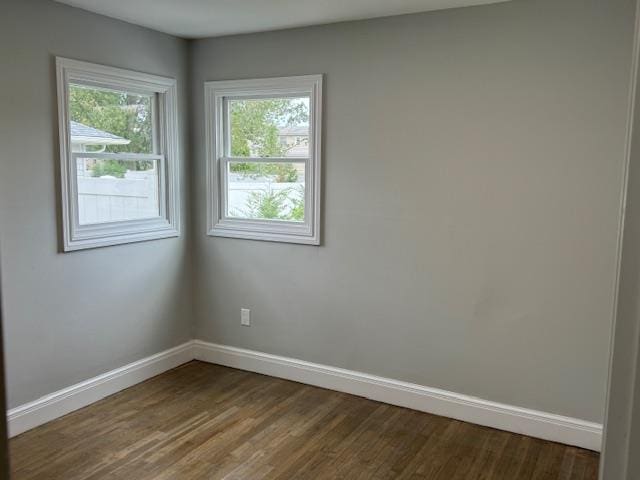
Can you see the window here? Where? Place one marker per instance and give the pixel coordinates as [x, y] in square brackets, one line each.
[119, 155]
[263, 158]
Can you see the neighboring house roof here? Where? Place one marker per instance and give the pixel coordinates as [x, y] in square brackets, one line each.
[92, 136]
[294, 130]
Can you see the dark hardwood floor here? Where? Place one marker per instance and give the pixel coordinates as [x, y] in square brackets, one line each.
[204, 421]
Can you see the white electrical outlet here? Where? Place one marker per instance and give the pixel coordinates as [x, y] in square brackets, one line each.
[245, 317]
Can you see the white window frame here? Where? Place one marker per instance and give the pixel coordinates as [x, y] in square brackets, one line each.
[166, 154]
[218, 223]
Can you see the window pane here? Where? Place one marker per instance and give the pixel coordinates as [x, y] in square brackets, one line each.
[266, 191]
[269, 127]
[110, 121]
[115, 190]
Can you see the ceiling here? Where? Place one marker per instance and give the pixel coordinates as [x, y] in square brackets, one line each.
[210, 18]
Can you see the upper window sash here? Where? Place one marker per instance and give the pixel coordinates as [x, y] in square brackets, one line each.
[143, 103]
[227, 121]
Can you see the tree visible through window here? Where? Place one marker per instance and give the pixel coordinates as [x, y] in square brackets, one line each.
[122, 114]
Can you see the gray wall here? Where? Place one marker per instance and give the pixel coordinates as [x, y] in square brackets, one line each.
[71, 316]
[473, 166]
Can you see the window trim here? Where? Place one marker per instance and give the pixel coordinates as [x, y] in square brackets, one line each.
[219, 224]
[77, 236]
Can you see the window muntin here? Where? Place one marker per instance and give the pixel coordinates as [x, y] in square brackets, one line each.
[263, 139]
[118, 140]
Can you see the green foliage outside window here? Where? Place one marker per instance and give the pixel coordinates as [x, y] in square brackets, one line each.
[119, 113]
[297, 209]
[122, 114]
[254, 132]
[275, 205]
[113, 168]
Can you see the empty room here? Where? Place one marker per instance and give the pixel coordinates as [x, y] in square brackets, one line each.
[320, 239]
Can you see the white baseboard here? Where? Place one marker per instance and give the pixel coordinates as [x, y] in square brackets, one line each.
[557, 428]
[57, 404]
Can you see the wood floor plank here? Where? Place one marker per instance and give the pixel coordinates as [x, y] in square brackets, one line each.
[203, 421]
